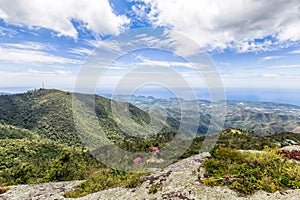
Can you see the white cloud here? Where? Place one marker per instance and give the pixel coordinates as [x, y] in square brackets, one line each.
[220, 24]
[283, 66]
[271, 75]
[266, 58]
[225, 63]
[144, 61]
[29, 46]
[95, 15]
[109, 45]
[32, 57]
[81, 51]
[295, 51]
[7, 32]
[280, 76]
[34, 78]
[38, 73]
[93, 43]
[158, 63]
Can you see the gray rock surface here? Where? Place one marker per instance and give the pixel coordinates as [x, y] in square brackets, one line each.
[291, 148]
[47, 191]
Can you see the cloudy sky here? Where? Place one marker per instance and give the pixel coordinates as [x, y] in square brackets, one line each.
[252, 43]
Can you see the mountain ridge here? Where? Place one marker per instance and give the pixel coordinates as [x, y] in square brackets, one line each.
[48, 112]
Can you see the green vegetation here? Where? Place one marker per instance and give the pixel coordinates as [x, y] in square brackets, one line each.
[249, 172]
[3, 190]
[12, 132]
[48, 113]
[44, 112]
[154, 188]
[39, 142]
[32, 161]
[240, 139]
[106, 178]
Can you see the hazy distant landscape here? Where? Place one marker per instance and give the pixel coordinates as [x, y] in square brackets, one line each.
[260, 117]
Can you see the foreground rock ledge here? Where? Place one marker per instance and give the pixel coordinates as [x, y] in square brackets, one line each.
[177, 181]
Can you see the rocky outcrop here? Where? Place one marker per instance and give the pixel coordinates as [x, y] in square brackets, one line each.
[46, 191]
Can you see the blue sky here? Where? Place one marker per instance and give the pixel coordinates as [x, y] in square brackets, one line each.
[253, 44]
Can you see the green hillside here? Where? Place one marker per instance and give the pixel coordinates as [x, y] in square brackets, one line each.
[26, 161]
[39, 140]
[48, 113]
[13, 132]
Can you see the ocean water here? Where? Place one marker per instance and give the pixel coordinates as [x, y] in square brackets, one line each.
[288, 96]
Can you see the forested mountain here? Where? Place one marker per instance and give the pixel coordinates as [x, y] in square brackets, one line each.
[48, 113]
[39, 141]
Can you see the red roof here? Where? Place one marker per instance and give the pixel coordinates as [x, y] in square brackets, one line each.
[154, 148]
[138, 159]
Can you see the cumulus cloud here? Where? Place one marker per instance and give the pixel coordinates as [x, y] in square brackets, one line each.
[219, 24]
[95, 15]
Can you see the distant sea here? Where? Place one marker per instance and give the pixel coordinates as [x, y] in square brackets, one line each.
[289, 96]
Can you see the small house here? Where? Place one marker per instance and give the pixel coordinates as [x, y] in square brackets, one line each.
[154, 149]
[138, 160]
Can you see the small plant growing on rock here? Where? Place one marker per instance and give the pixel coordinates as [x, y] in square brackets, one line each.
[249, 172]
[3, 190]
[154, 188]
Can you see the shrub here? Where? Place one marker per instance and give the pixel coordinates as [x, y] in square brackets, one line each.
[249, 172]
[154, 188]
[103, 179]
